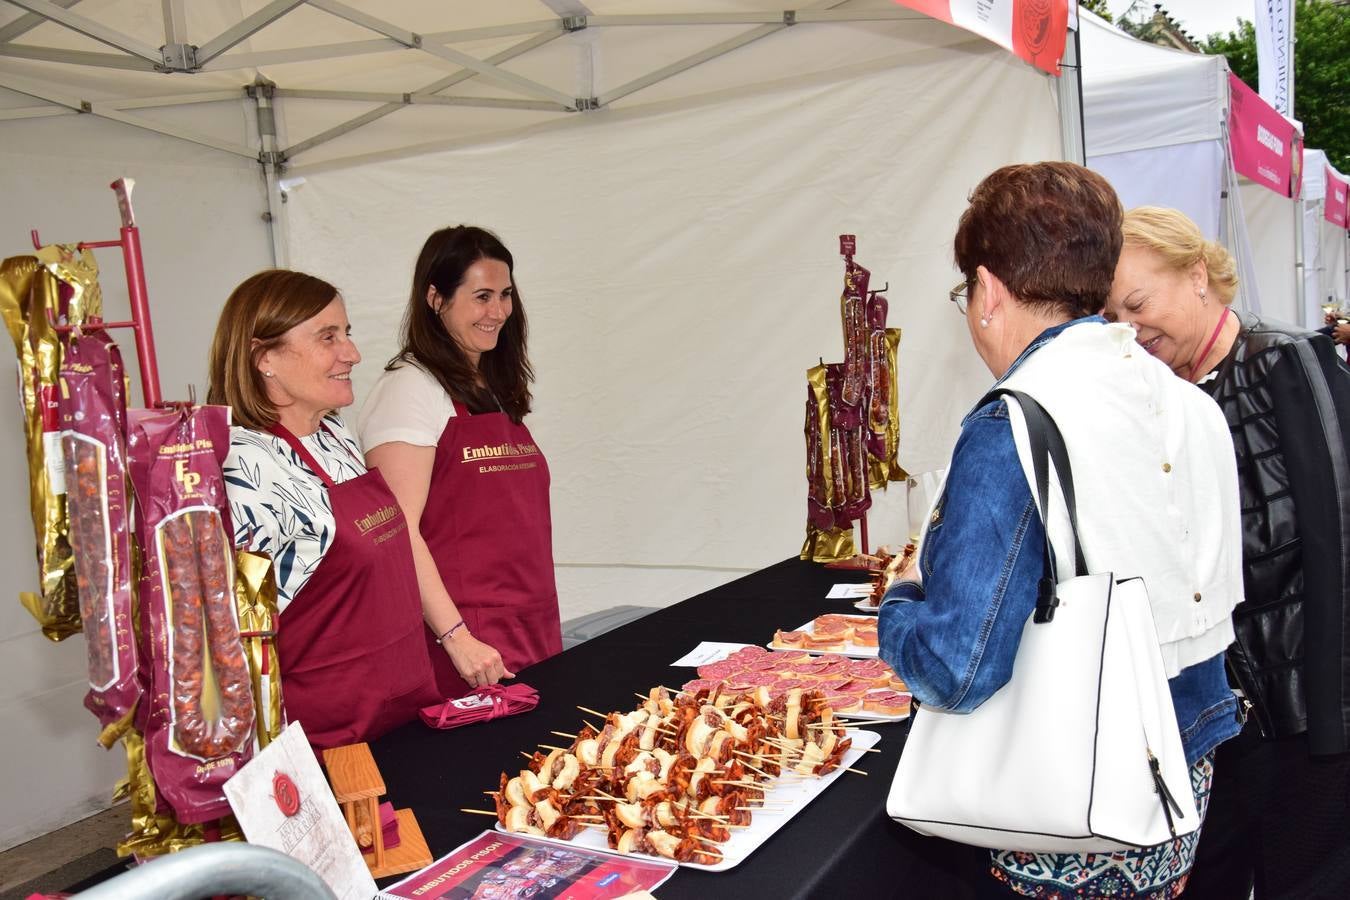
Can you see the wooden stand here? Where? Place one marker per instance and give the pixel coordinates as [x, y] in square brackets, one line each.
[358, 786]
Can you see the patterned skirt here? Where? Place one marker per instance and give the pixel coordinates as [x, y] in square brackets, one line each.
[1155, 873]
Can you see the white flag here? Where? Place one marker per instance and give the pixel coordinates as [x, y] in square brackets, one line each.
[1275, 53]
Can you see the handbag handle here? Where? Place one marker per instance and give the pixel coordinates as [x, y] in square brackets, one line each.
[1048, 444]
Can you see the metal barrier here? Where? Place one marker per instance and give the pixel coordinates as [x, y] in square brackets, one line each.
[212, 869]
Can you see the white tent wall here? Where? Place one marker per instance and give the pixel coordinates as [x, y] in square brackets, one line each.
[1272, 229]
[1188, 177]
[201, 228]
[680, 271]
[1335, 263]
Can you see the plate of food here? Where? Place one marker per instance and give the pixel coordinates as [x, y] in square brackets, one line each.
[860, 688]
[691, 777]
[831, 633]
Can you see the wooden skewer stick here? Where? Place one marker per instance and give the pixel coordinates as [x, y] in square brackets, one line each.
[492, 793]
[564, 734]
[480, 812]
[587, 709]
[551, 747]
[854, 771]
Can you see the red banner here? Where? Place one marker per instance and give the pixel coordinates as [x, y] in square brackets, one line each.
[1266, 147]
[1335, 205]
[1033, 29]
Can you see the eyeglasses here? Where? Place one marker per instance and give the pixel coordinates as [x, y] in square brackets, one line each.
[959, 295]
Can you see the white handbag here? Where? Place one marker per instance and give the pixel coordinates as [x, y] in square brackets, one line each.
[1079, 752]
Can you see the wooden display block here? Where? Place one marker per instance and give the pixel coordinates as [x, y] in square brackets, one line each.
[358, 786]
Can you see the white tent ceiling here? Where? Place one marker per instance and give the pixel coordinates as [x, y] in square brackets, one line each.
[419, 75]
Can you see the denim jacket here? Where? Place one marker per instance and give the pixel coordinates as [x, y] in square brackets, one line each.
[953, 639]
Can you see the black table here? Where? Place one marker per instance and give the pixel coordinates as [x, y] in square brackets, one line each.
[843, 844]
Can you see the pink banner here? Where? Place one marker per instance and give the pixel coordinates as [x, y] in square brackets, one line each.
[1335, 205]
[1266, 147]
[1032, 29]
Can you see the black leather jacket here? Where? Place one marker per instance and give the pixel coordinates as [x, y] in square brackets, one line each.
[1286, 395]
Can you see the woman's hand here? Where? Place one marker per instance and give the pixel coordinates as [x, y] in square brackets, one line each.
[1341, 334]
[477, 663]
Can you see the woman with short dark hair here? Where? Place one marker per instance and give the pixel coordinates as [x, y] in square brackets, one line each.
[353, 663]
[445, 424]
[1038, 247]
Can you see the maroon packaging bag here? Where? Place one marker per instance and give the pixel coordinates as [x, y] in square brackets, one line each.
[879, 377]
[93, 409]
[848, 450]
[200, 717]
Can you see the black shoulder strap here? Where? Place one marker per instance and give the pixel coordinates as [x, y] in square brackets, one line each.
[1047, 444]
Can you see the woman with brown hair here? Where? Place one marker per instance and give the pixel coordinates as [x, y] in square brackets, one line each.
[353, 662]
[1156, 498]
[445, 424]
[1283, 794]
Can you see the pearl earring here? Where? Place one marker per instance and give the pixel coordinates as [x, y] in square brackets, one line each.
[267, 374]
[984, 323]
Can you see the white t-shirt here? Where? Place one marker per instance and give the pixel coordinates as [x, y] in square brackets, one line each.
[279, 506]
[407, 404]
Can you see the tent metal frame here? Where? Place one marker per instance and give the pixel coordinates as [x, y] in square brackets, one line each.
[179, 55]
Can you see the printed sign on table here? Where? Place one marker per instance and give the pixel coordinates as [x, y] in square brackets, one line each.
[495, 865]
[283, 801]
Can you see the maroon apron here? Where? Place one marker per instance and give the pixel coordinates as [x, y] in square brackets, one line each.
[487, 525]
[353, 660]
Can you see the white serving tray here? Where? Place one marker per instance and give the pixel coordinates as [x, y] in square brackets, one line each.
[857, 651]
[865, 605]
[799, 791]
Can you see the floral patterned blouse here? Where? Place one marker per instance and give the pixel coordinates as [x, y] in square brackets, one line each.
[279, 506]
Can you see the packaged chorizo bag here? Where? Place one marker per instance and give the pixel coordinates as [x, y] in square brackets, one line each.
[883, 411]
[93, 420]
[848, 450]
[853, 312]
[199, 727]
[56, 286]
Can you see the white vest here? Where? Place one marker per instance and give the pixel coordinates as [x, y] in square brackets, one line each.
[1155, 478]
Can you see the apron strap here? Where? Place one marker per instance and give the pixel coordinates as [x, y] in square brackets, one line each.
[285, 434]
[460, 409]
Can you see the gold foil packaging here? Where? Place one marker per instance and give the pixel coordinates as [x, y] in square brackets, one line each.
[56, 286]
[255, 596]
[825, 478]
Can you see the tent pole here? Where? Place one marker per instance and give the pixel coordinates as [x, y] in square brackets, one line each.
[1300, 287]
[1070, 90]
[271, 160]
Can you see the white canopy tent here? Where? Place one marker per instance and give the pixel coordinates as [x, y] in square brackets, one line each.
[1326, 270]
[1155, 123]
[671, 182]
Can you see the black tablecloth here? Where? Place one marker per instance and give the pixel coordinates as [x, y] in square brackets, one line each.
[841, 845]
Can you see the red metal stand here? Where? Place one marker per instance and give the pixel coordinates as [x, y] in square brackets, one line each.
[130, 243]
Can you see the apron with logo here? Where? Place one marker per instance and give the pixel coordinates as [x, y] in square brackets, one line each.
[487, 525]
[353, 660]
